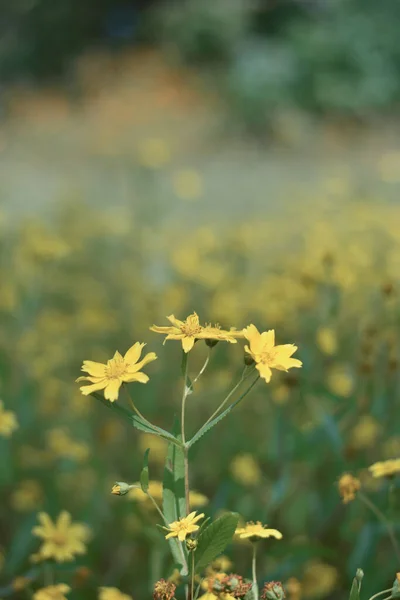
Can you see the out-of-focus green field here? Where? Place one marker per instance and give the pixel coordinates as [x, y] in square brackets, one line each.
[137, 203]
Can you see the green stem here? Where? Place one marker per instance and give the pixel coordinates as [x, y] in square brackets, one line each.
[203, 368]
[137, 411]
[158, 509]
[185, 449]
[227, 398]
[380, 593]
[384, 521]
[254, 572]
[192, 579]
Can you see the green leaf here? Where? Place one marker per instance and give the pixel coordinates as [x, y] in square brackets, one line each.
[354, 592]
[144, 475]
[221, 416]
[396, 589]
[213, 540]
[174, 502]
[136, 421]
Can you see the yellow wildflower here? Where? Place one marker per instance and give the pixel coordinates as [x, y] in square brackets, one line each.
[190, 330]
[27, 496]
[387, 468]
[257, 531]
[61, 445]
[340, 381]
[184, 527]
[196, 499]
[327, 340]
[156, 490]
[365, 432]
[245, 469]
[118, 370]
[266, 355]
[348, 487]
[52, 592]
[62, 540]
[8, 421]
[112, 593]
[293, 589]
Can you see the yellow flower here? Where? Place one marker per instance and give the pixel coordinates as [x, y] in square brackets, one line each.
[52, 592]
[365, 432]
[112, 593]
[156, 490]
[256, 531]
[8, 421]
[27, 496]
[196, 499]
[266, 355]
[190, 330]
[184, 527]
[62, 540]
[245, 469]
[319, 579]
[340, 381]
[386, 468]
[327, 340]
[348, 487]
[61, 445]
[118, 370]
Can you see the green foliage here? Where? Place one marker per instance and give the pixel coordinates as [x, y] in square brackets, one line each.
[144, 475]
[214, 538]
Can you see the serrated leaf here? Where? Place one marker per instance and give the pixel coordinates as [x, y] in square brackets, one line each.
[213, 539]
[221, 416]
[136, 421]
[354, 592]
[144, 475]
[174, 503]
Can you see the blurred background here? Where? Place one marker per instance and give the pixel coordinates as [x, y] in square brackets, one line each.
[237, 158]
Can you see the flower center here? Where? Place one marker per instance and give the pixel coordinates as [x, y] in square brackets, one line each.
[191, 329]
[115, 368]
[267, 357]
[59, 539]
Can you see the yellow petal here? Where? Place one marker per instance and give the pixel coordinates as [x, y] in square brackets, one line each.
[134, 352]
[112, 389]
[175, 321]
[93, 368]
[187, 343]
[265, 372]
[140, 377]
[89, 389]
[138, 366]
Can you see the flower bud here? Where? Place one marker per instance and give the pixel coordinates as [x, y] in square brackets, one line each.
[211, 343]
[273, 590]
[248, 360]
[191, 544]
[359, 575]
[120, 488]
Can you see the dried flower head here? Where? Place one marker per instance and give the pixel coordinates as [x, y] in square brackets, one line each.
[235, 586]
[273, 590]
[164, 590]
[348, 487]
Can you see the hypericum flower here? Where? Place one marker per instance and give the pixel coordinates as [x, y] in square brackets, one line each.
[266, 355]
[257, 531]
[112, 593]
[8, 421]
[164, 590]
[386, 468]
[118, 370]
[190, 330]
[184, 527]
[62, 540]
[348, 487]
[52, 592]
[273, 590]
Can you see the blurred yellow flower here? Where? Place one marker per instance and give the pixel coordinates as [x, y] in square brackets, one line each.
[266, 355]
[190, 330]
[365, 433]
[52, 592]
[386, 468]
[197, 500]
[245, 469]
[340, 381]
[153, 153]
[27, 496]
[112, 593]
[184, 527]
[319, 579]
[118, 370]
[281, 394]
[327, 340]
[348, 487]
[8, 421]
[158, 447]
[257, 531]
[62, 539]
[187, 184]
[293, 589]
[61, 445]
[222, 563]
[156, 490]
